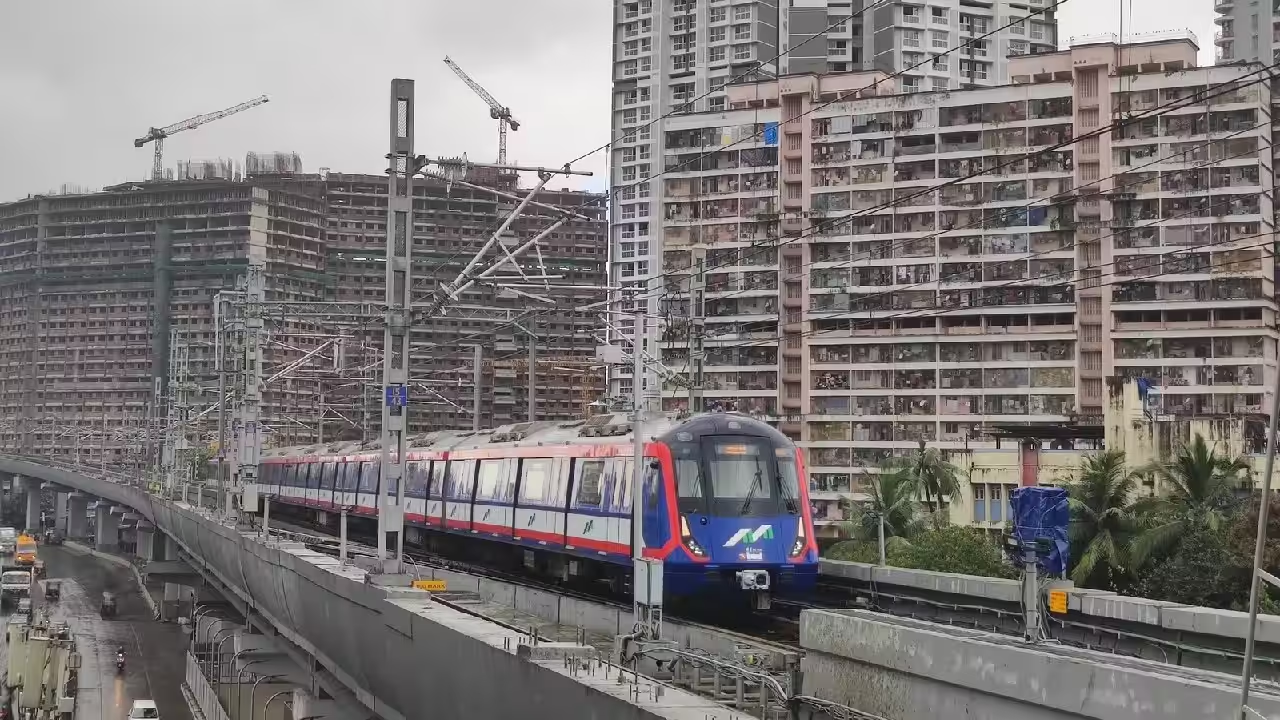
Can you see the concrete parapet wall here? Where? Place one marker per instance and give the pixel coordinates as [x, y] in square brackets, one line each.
[904, 669]
[401, 654]
[1154, 629]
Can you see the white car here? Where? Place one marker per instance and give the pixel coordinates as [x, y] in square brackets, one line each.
[143, 709]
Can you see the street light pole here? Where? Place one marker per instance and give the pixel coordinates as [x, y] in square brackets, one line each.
[1259, 546]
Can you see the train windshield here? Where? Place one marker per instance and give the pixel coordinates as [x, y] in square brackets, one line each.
[736, 476]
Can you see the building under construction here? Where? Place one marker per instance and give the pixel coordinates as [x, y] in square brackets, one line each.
[95, 287]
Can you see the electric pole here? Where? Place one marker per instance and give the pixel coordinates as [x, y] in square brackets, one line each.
[696, 327]
[395, 337]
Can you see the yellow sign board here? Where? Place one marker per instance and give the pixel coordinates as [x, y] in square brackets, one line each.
[431, 585]
[1058, 601]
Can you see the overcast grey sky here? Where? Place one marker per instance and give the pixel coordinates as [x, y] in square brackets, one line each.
[80, 79]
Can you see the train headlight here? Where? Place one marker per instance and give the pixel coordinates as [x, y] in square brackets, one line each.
[802, 541]
[686, 539]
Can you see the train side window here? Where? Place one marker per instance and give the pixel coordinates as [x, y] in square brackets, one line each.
[536, 486]
[462, 479]
[590, 479]
[622, 475]
[304, 473]
[419, 471]
[439, 470]
[350, 476]
[292, 472]
[489, 486]
[328, 476]
[369, 476]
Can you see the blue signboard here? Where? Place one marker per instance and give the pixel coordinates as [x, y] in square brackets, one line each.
[397, 396]
[1042, 513]
[771, 133]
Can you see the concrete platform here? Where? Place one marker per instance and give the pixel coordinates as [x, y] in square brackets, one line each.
[905, 669]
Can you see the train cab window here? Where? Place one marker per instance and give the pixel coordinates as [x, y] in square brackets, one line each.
[439, 468]
[744, 477]
[789, 478]
[419, 471]
[328, 475]
[369, 476]
[590, 481]
[536, 485]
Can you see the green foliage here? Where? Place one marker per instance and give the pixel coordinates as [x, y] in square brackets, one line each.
[1204, 570]
[930, 473]
[954, 549]
[859, 551]
[1197, 489]
[893, 496]
[1103, 522]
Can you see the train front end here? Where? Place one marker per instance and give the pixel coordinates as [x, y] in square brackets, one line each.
[742, 509]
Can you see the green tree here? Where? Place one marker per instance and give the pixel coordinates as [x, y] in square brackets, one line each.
[1198, 486]
[931, 474]
[1103, 522]
[954, 549]
[893, 496]
[1204, 571]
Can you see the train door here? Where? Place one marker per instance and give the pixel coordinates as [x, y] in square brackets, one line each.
[328, 483]
[415, 490]
[458, 494]
[541, 500]
[586, 524]
[367, 498]
[620, 504]
[656, 526]
[435, 492]
[495, 496]
[344, 493]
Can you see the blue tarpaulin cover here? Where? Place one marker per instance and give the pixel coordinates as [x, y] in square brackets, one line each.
[1042, 512]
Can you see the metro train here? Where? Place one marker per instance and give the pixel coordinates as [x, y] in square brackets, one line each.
[726, 508]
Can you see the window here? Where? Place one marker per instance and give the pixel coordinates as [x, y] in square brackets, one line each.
[743, 12]
[938, 16]
[716, 54]
[910, 84]
[1017, 47]
[911, 38]
[974, 70]
[940, 83]
[590, 479]
[717, 34]
[418, 472]
[940, 64]
[741, 32]
[717, 15]
[490, 482]
[369, 476]
[939, 40]
[536, 484]
[742, 52]
[628, 155]
[910, 14]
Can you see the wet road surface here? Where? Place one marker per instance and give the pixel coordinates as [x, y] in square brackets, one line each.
[155, 659]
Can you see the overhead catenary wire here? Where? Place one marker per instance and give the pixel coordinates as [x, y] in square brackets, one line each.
[1068, 197]
[1032, 282]
[820, 229]
[935, 312]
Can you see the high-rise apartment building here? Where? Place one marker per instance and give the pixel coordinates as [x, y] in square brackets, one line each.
[1246, 31]
[857, 35]
[894, 268]
[78, 301]
[669, 54]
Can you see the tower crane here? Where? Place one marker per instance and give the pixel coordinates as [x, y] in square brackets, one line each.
[157, 135]
[497, 110]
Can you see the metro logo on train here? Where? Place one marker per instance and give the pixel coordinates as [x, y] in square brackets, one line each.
[764, 532]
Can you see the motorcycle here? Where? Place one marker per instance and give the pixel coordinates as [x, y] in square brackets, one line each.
[119, 663]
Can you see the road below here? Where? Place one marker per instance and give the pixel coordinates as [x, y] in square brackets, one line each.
[155, 652]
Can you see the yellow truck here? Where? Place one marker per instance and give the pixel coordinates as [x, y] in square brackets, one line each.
[24, 554]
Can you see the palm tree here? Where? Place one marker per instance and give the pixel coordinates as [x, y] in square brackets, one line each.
[1198, 487]
[932, 475]
[893, 497]
[1103, 521]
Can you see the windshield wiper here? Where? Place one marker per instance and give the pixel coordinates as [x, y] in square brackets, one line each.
[751, 493]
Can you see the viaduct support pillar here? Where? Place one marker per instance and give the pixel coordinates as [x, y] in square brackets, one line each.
[108, 528]
[145, 540]
[32, 486]
[77, 515]
[60, 507]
